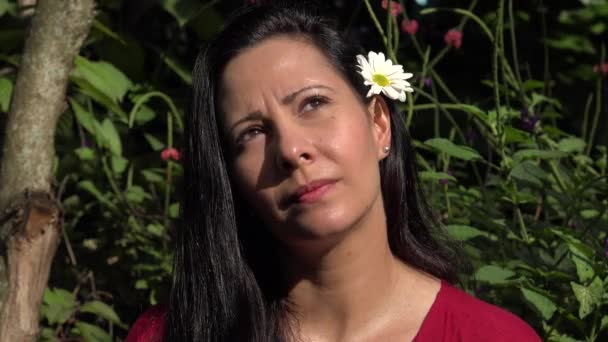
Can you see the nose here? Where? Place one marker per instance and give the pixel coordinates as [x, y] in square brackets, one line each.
[293, 149]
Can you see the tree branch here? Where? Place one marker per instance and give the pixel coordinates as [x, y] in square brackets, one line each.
[32, 216]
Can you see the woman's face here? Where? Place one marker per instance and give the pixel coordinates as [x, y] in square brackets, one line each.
[304, 148]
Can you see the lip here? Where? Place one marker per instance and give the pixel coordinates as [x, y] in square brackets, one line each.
[312, 191]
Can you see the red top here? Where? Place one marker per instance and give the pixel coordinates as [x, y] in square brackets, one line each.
[455, 316]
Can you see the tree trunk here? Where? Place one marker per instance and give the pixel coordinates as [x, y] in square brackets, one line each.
[30, 216]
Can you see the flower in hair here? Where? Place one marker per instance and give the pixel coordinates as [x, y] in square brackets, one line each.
[384, 77]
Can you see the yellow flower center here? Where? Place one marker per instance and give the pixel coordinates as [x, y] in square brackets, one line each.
[381, 80]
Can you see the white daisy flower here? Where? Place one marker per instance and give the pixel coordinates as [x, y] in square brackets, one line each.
[383, 76]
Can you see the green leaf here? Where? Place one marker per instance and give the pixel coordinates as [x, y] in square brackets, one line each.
[480, 114]
[103, 77]
[6, 91]
[584, 269]
[555, 337]
[152, 176]
[588, 296]
[435, 176]
[111, 137]
[48, 335]
[598, 28]
[581, 255]
[156, 229]
[493, 274]
[119, 164]
[604, 323]
[179, 70]
[87, 90]
[571, 144]
[463, 233]
[141, 284]
[90, 187]
[84, 118]
[514, 135]
[537, 154]
[92, 333]
[136, 194]
[155, 143]
[572, 42]
[144, 115]
[528, 171]
[543, 305]
[7, 7]
[533, 84]
[85, 153]
[182, 10]
[451, 149]
[538, 99]
[98, 25]
[174, 210]
[589, 213]
[100, 309]
[58, 305]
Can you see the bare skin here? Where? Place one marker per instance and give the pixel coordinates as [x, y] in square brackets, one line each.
[292, 119]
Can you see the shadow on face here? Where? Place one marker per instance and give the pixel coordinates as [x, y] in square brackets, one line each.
[304, 147]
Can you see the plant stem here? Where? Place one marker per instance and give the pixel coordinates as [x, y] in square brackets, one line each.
[372, 15]
[598, 105]
[118, 193]
[514, 51]
[389, 32]
[586, 116]
[445, 112]
[557, 177]
[497, 49]
[169, 169]
[546, 76]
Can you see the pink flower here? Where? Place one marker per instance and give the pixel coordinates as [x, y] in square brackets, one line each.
[454, 38]
[409, 26]
[169, 153]
[601, 69]
[395, 7]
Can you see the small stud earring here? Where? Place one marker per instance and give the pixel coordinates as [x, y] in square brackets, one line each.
[386, 149]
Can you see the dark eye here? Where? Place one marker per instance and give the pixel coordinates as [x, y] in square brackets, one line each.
[313, 102]
[248, 134]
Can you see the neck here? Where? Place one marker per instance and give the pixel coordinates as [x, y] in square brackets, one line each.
[337, 290]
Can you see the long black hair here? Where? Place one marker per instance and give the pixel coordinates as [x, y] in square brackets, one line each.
[225, 284]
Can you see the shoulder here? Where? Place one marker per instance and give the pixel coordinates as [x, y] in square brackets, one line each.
[458, 316]
[149, 327]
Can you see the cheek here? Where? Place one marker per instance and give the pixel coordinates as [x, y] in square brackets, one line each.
[250, 181]
[246, 172]
[351, 142]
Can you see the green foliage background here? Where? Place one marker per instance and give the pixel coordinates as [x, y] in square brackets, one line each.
[509, 128]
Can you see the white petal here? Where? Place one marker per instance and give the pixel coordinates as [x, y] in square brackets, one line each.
[399, 83]
[402, 96]
[370, 92]
[363, 64]
[373, 61]
[376, 89]
[390, 92]
[388, 65]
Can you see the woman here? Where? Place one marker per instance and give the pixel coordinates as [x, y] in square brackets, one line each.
[302, 217]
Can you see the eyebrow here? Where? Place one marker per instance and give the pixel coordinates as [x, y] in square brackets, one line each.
[257, 115]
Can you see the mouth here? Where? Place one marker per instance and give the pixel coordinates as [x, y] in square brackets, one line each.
[312, 192]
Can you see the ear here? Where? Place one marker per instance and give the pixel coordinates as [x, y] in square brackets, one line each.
[380, 124]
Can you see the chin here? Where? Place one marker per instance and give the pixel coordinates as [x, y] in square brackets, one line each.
[316, 227]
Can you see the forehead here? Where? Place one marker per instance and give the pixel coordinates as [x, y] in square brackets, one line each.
[280, 64]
